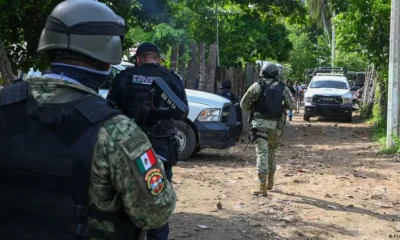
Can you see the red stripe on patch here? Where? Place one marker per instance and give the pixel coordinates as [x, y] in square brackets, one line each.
[152, 157]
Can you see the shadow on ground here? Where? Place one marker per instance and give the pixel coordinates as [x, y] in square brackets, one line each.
[258, 226]
[332, 206]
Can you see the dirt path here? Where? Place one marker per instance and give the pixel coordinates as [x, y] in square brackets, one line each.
[330, 185]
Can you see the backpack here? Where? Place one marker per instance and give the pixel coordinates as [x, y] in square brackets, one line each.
[269, 103]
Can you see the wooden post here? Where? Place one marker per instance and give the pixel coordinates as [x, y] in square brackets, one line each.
[182, 63]
[212, 64]
[202, 67]
[5, 66]
[191, 75]
[174, 57]
[231, 76]
[249, 74]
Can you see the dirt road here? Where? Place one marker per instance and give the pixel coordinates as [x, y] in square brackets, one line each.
[330, 185]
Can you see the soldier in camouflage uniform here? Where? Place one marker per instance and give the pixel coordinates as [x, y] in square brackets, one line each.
[72, 166]
[268, 131]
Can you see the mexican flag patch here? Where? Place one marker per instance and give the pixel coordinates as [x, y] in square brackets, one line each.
[146, 161]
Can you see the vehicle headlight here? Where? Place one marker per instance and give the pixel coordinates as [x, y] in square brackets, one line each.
[308, 99]
[209, 115]
[347, 100]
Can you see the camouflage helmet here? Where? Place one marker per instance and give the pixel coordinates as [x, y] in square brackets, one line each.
[86, 27]
[269, 70]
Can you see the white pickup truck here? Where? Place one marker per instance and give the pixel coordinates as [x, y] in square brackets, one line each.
[213, 122]
[328, 96]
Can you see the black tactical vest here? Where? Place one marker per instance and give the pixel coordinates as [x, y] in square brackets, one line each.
[136, 86]
[269, 103]
[45, 166]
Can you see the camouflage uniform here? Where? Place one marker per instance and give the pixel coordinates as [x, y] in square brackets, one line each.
[113, 183]
[272, 130]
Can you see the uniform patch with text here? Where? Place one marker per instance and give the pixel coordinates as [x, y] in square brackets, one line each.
[155, 181]
[139, 79]
[146, 161]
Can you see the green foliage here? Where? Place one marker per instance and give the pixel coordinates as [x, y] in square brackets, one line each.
[246, 33]
[310, 50]
[22, 22]
[364, 27]
[353, 61]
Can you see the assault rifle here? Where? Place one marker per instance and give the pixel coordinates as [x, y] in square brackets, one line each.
[153, 110]
[252, 133]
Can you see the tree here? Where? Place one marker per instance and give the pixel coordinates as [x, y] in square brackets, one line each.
[23, 22]
[324, 12]
[247, 31]
[309, 50]
[364, 27]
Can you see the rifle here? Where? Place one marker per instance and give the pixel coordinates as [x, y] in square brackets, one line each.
[149, 114]
[252, 133]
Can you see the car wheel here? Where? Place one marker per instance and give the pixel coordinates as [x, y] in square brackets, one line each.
[349, 118]
[186, 138]
[306, 118]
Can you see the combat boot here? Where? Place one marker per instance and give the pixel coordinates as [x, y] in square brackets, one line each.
[270, 180]
[262, 178]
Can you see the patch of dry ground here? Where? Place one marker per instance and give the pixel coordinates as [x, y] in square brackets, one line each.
[330, 185]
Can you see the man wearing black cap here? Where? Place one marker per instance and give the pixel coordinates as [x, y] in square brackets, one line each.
[130, 89]
[226, 92]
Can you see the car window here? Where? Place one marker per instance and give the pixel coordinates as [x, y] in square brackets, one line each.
[329, 84]
[355, 88]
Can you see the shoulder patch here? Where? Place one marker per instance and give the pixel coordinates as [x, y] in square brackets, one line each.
[155, 181]
[139, 79]
[146, 161]
[135, 145]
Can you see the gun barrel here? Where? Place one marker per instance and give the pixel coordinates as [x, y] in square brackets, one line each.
[247, 144]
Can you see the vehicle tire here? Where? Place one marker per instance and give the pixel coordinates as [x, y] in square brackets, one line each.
[186, 138]
[306, 118]
[349, 118]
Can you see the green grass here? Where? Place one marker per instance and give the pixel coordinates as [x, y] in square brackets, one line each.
[388, 151]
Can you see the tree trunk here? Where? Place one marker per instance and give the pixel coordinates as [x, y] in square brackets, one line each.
[174, 57]
[202, 70]
[5, 65]
[212, 65]
[182, 63]
[191, 74]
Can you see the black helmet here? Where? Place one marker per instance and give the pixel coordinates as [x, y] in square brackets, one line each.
[269, 70]
[226, 84]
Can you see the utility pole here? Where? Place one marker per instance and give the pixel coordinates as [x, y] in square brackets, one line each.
[216, 23]
[333, 38]
[394, 74]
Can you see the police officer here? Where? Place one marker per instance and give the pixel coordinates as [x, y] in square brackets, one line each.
[264, 99]
[130, 89]
[226, 91]
[73, 167]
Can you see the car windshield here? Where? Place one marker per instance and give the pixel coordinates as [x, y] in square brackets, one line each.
[329, 84]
